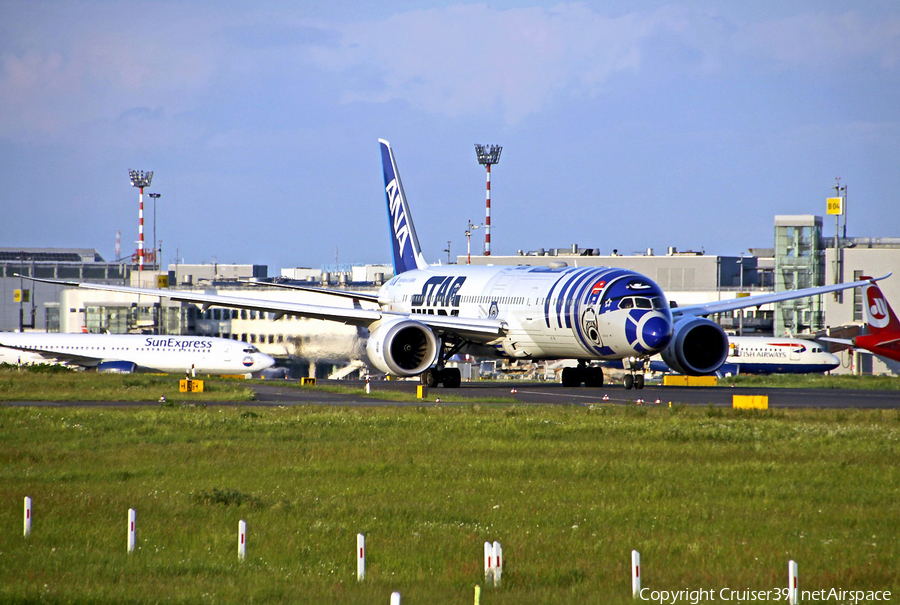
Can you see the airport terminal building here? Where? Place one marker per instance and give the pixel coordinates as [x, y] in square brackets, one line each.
[801, 257]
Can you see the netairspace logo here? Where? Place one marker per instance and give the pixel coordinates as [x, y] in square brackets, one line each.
[746, 595]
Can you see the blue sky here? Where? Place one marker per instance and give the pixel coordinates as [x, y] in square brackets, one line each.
[627, 125]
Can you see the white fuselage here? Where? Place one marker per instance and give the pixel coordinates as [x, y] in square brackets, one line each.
[565, 312]
[762, 355]
[157, 353]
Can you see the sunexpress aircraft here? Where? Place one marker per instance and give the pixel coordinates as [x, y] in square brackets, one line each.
[426, 314]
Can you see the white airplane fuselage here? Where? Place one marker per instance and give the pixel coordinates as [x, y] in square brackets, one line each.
[761, 355]
[158, 353]
[564, 312]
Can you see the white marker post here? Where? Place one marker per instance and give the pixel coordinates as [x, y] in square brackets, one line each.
[395, 598]
[793, 589]
[498, 563]
[488, 564]
[360, 557]
[132, 529]
[635, 573]
[27, 516]
[242, 539]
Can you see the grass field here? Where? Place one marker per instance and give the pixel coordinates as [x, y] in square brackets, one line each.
[49, 383]
[711, 498]
[815, 381]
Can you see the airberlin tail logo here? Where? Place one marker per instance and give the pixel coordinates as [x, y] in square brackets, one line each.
[876, 309]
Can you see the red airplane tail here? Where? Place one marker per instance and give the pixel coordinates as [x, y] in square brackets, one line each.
[880, 318]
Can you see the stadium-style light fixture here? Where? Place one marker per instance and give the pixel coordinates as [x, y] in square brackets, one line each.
[488, 154]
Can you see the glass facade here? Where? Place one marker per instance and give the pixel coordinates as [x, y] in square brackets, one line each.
[128, 319]
[799, 263]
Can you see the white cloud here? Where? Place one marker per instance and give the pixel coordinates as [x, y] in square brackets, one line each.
[97, 70]
[824, 41]
[470, 58]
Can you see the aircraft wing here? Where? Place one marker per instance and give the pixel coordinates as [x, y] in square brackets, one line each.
[733, 304]
[55, 356]
[840, 341]
[337, 293]
[477, 330]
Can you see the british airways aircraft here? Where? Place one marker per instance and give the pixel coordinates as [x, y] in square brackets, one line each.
[134, 352]
[763, 355]
[426, 314]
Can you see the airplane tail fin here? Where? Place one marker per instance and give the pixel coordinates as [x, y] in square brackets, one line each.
[407, 252]
[879, 315]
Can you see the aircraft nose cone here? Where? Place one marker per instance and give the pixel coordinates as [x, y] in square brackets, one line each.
[656, 333]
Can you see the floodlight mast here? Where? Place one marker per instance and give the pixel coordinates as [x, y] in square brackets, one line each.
[487, 155]
[156, 254]
[140, 179]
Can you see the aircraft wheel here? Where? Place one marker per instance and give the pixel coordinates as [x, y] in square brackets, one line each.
[629, 381]
[639, 381]
[594, 377]
[451, 378]
[571, 377]
[429, 378]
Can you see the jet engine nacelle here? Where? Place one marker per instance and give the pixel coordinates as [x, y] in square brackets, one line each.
[117, 367]
[402, 347]
[698, 346]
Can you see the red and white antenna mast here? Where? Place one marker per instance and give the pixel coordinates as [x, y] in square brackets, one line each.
[140, 179]
[118, 244]
[488, 155]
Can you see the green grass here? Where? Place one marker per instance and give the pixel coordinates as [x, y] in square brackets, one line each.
[815, 381]
[40, 384]
[711, 500]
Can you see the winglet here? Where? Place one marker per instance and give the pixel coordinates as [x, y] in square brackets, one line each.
[407, 252]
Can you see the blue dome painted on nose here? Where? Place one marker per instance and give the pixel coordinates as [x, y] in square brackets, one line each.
[656, 332]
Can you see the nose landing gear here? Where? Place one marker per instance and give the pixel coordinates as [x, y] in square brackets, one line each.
[634, 372]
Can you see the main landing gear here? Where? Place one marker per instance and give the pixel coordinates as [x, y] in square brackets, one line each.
[438, 374]
[449, 377]
[589, 375]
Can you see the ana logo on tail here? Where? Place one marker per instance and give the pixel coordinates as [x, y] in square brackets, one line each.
[405, 244]
[398, 216]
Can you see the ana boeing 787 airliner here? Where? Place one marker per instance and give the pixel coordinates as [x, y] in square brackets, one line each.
[426, 314]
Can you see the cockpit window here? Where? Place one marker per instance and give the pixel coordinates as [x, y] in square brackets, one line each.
[626, 303]
[642, 303]
[251, 350]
